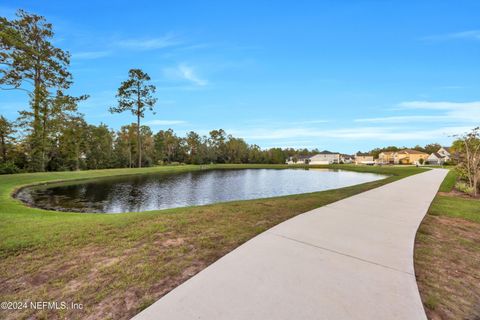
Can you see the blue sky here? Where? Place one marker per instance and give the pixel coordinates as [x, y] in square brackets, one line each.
[338, 75]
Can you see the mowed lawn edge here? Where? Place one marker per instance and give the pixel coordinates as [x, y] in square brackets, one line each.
[447, 255]
[116, 265]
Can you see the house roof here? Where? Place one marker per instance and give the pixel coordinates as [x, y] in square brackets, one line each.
[410, 151]
[446, 149]
[327, 152]
[363, 154]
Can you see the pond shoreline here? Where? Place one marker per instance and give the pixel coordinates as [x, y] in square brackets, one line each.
[164, 190]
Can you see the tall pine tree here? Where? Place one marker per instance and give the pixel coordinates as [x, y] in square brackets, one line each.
[136, 95]
[33, 64]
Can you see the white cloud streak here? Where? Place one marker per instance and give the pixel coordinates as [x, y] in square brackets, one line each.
[89, 55]
[184, 72]
[459, 112]
[466, 35]
[189, 74]
[360, 133]
[168, 40]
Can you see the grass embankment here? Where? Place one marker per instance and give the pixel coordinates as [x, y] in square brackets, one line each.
[116, 265]
[447, 255]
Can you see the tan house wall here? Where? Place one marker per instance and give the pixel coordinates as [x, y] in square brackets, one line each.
[361, 159]
[401, 158]
[386, 157]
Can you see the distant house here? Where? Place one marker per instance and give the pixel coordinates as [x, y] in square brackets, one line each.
[322, 158]
[346, 158]
[325, 157]
[406, 156]
[363, 158]
[386, 157]
[298, 159]
[440, 157]
[445, 152]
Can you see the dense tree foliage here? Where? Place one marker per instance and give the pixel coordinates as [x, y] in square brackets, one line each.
[30, 62]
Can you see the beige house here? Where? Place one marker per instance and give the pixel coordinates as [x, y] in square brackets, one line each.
[406, 156]
[325, 157]
[363, 158]
[386, 157]
[346, 158]
[440, 157]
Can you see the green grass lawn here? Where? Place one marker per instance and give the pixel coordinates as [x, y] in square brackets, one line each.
[447, 255]
[116, 265]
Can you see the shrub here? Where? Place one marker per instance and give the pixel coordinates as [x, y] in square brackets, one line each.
[463, 187]
[8, 168]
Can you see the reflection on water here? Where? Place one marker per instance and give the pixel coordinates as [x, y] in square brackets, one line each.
[162, 191]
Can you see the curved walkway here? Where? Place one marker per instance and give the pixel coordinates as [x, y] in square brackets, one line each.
[352, 259]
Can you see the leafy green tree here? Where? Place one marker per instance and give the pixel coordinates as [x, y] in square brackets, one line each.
[256, 154]
[148, 146]
[72, 143]
[54, 114]
[136, 95]
[6, 137]
[432, 147]
[99, 150]
[169, 147]
[236, 150]
[216, 144]
[30, 60]
[276, 156]
[196, 148]
[467, 147]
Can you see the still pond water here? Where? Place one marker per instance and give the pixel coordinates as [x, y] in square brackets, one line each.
[162, 191]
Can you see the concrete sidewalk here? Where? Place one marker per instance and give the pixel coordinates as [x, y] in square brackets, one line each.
[352, 259]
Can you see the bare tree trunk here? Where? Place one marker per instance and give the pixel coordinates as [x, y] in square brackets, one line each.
[475, 186]
[77, 157]
[4, 149]
[36, 148]
[139, 139]
[43, 143]
[139, 143]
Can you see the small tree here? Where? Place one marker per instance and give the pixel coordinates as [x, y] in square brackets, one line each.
[136, 95]
[468, 149]
[6, 137]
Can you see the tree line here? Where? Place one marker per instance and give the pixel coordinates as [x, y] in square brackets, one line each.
[52, 135]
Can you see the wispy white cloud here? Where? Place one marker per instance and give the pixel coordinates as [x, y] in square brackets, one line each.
[460, 111]
[188, 73]
[184, 72]
[444, 111]
[168, 40]
[467, 35]
[440, 105]
[158, 122]
[88, 55]
[403, 119]
[359, 133]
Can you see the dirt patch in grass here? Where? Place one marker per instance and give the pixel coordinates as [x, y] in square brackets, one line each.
[459, 194]
[447, 264]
